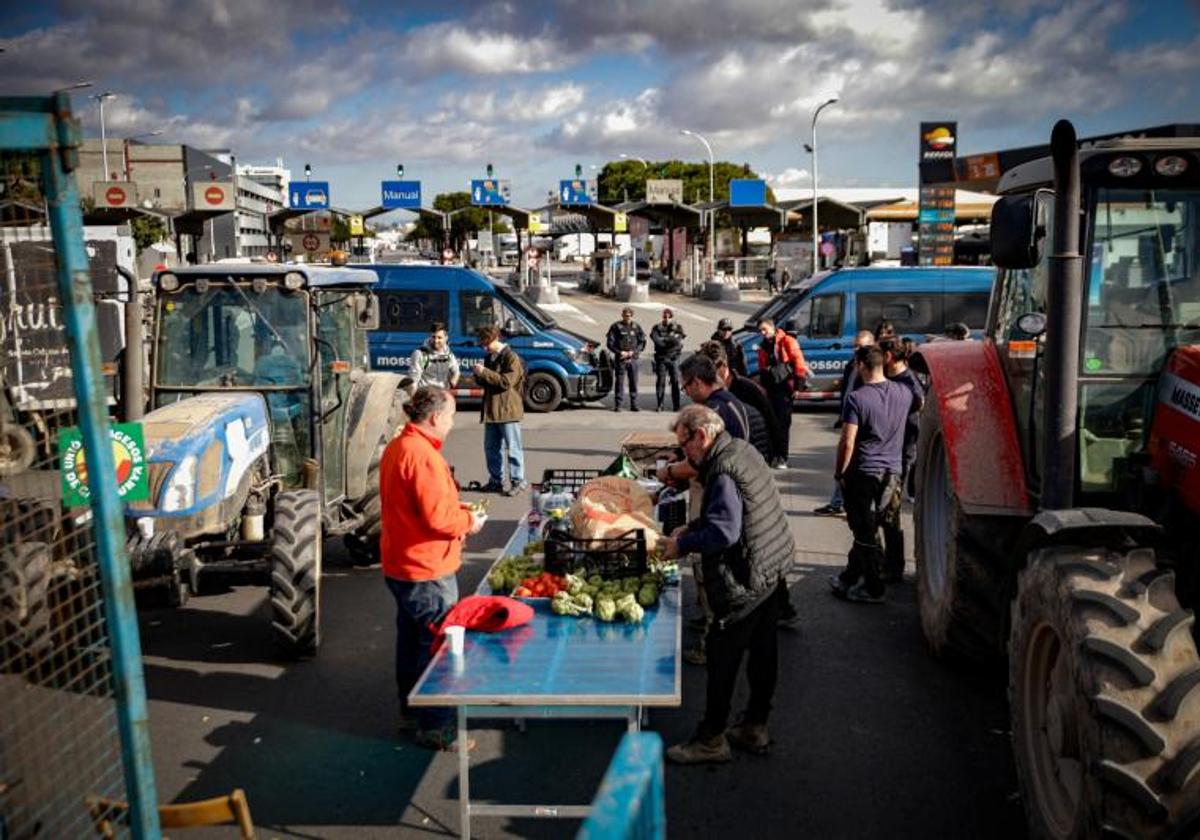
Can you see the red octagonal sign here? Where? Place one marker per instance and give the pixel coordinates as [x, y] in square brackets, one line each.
[114, 196]
[214, 195]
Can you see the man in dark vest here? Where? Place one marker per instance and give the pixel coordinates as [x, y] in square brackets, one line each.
[625, 340]
[745, 547]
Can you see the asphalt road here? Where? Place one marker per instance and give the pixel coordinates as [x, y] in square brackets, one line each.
[873, 737]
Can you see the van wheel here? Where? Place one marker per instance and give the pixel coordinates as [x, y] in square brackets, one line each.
[543, 391]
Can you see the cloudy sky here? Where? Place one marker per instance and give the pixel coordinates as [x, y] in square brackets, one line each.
[534, 87]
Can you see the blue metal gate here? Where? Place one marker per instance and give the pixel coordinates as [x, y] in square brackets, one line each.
[73, 725]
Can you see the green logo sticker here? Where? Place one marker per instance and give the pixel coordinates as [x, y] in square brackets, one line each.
[129, 458]
[1093, 364]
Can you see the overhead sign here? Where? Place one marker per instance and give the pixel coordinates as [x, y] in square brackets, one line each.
[574, 192]
[935, 225]
[397, 194]
[214, 195]
[356, 226]
[114, 193]
[490, 192]
[309, 195]
[129, 459]
[747, 192]
[664, 191]
[620, 223]
[536, 225]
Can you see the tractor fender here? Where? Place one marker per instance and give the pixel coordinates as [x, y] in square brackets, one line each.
[367, 411]
[969, 392]
[1088, 527]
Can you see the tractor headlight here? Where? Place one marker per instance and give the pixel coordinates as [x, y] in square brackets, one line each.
[1125, 167]
[180, 492]
[1171, 165]
[293, 280]
[168, 282]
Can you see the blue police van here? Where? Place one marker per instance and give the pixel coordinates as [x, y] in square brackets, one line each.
[559, 364]
[826, 311]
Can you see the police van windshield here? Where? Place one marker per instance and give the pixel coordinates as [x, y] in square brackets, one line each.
[538, 316]
[1144, 291]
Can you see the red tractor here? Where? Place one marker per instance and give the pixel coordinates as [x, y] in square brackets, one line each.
[1058, 509]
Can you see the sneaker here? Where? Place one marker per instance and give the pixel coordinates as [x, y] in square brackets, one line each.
[713, 751]
[780, 464]
[695, 656]
[829, 510]
[492, 487]
[838, 586]
[441, 740]
[634, 407]
[517, 488]
[749, 737]
[859, 595]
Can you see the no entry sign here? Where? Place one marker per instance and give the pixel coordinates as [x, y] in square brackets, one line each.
[114, 194]
[214, 195]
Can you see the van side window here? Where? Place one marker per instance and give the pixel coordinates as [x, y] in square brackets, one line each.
[411, 311]
[817, 317]
[477, 310]
[910, 313]
[968, 308]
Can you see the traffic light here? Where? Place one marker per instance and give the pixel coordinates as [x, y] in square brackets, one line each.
[307, 171]
[489, 170]
[578, 170]
[399, 170]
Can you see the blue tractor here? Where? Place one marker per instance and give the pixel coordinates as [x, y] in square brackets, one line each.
[264, 433]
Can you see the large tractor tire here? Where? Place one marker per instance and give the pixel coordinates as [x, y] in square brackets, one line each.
[1104, 690]
[25, 628]
[362, 543]
[961, 580]
[296, 572]
[543, 391]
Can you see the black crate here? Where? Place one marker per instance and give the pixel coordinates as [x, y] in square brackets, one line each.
[672, 514]
[569, 480]
[609, 557]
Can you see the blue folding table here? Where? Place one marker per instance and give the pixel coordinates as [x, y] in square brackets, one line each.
[554, 667]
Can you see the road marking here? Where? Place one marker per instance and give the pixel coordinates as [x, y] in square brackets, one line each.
[568, 308]
[678, 310]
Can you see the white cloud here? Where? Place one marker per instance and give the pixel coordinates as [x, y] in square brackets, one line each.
[790, 177]
[452, 48]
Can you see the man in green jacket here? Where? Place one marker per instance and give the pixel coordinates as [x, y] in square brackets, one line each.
[501, 376]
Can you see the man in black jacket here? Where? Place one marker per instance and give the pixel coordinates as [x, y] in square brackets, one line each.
[625, 340]
[745, 547]
[733, 351]
[667, 337]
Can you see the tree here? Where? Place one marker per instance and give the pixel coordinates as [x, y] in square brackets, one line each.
[463, 224]
[621, 178]
[147, 230]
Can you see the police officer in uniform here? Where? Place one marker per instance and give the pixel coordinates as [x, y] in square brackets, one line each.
[625, 340]
[667, 337]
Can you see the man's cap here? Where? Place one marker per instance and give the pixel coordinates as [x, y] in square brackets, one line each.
[725, 324]
[667, 311]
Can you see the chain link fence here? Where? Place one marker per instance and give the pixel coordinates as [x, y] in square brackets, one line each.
[61, 722]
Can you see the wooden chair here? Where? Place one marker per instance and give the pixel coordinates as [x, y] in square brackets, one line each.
[216, 811]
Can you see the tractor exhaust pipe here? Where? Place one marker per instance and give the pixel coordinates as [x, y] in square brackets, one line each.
[1064, 310]
[133, 373]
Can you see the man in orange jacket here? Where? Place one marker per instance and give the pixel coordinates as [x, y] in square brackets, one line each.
[424, 526]
[781, 372]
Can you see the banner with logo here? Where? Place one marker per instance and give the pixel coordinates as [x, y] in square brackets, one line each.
[939, 145]
[129, 458]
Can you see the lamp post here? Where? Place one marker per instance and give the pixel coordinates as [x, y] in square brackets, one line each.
[125, 148]
[711, 165]
[816, 235]
[100, 97]
[642, 161]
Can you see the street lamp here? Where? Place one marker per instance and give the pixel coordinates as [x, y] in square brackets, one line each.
[816, 235]
[76, 86]
[100, 97]
[134, 139]
[642, 161]
[711, 165]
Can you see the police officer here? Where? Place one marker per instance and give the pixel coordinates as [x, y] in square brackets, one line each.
[667, 338]
[626, 340]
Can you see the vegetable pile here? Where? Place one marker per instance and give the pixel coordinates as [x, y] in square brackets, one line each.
[625, 599]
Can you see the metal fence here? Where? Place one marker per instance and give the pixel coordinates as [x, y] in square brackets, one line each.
[629, 804]
[73, 724]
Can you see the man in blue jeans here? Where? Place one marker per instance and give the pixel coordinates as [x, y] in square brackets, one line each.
[502, 377]
[424, 527]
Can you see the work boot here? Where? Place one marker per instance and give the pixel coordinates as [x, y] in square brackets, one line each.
[749, 737]
[634, 407]
[695, 656]
[712, 751]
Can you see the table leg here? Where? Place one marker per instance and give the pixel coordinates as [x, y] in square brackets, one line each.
[464, 773]
[635, 719]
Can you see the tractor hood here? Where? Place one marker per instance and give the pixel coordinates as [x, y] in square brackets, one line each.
[199, 452]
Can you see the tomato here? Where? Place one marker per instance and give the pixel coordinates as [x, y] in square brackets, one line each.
[522, 592]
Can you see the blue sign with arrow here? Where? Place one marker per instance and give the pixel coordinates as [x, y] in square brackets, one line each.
[574, 191]
[489, 192]
[309, 195]
[396, 194]
[747, 192]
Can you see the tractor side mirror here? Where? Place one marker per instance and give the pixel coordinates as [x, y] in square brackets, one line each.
[1018, 231]
[366, 311]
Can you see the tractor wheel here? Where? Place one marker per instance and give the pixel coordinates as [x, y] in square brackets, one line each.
[543, 391]
[363, 542]
[296, 572]
[961, 589]
[25, 632]
[1104, 697]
